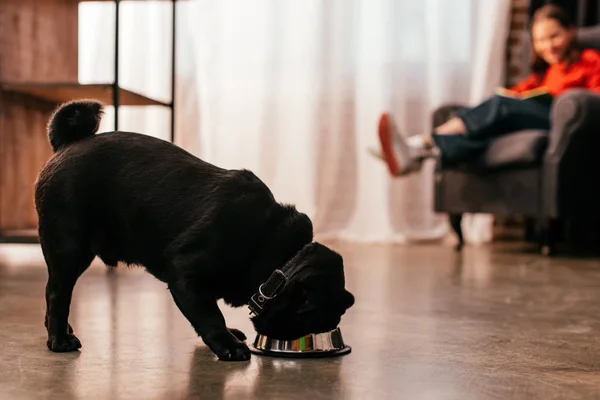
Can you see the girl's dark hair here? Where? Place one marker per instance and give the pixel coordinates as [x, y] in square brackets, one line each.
[552, 11]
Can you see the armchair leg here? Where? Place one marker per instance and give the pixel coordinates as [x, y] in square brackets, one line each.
[455, 223]
[531, 230]
[548, 236]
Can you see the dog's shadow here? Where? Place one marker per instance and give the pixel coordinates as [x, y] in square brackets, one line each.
[262, 377]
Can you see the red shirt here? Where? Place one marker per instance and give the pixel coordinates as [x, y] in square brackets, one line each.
[584, 73]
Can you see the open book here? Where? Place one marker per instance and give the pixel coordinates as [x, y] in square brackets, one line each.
[541, 94]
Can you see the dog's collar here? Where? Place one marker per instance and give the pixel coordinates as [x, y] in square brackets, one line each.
[274, 285]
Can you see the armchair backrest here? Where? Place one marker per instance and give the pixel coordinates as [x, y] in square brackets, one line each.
[589, 37]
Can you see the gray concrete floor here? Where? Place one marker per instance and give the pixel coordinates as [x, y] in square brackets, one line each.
[494, 323]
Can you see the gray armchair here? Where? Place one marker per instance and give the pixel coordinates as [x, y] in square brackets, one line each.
[545, 176]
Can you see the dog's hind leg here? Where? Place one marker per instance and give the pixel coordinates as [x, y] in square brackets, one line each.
[67, 257]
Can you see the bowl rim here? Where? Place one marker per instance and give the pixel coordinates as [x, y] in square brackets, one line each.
[302, 354]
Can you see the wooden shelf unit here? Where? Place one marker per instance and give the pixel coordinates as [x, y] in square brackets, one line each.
[61, 92]
[38, 71]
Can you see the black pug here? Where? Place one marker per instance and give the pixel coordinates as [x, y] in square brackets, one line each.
[209, 233]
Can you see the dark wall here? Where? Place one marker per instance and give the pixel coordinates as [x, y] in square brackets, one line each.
[583, 12]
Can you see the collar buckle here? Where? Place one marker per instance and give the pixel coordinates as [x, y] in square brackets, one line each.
[267, 291]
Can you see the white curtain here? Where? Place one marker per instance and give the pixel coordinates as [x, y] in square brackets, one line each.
[292, 90]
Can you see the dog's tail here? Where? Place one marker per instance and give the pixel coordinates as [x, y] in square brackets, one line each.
[73, 121]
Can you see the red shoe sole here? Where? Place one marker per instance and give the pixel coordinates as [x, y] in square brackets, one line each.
[387, 145]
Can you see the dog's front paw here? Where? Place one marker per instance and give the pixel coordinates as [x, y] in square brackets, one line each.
[63, 344]
[239, 335]
[239, 352]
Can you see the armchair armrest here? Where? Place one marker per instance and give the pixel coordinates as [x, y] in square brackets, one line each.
[573, 153]
[574, 114]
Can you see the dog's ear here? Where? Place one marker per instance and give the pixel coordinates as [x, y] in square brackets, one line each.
[339, 300]
[322, 268]
[320, 260]
[321, 280]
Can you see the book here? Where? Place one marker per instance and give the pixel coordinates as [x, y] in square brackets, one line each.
[539, 94]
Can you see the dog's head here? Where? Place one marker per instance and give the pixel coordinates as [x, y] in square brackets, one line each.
[313, 301]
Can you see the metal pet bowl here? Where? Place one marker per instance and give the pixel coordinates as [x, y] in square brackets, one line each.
[328, 344]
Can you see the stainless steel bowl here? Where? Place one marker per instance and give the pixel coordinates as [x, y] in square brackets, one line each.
[328, 344]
